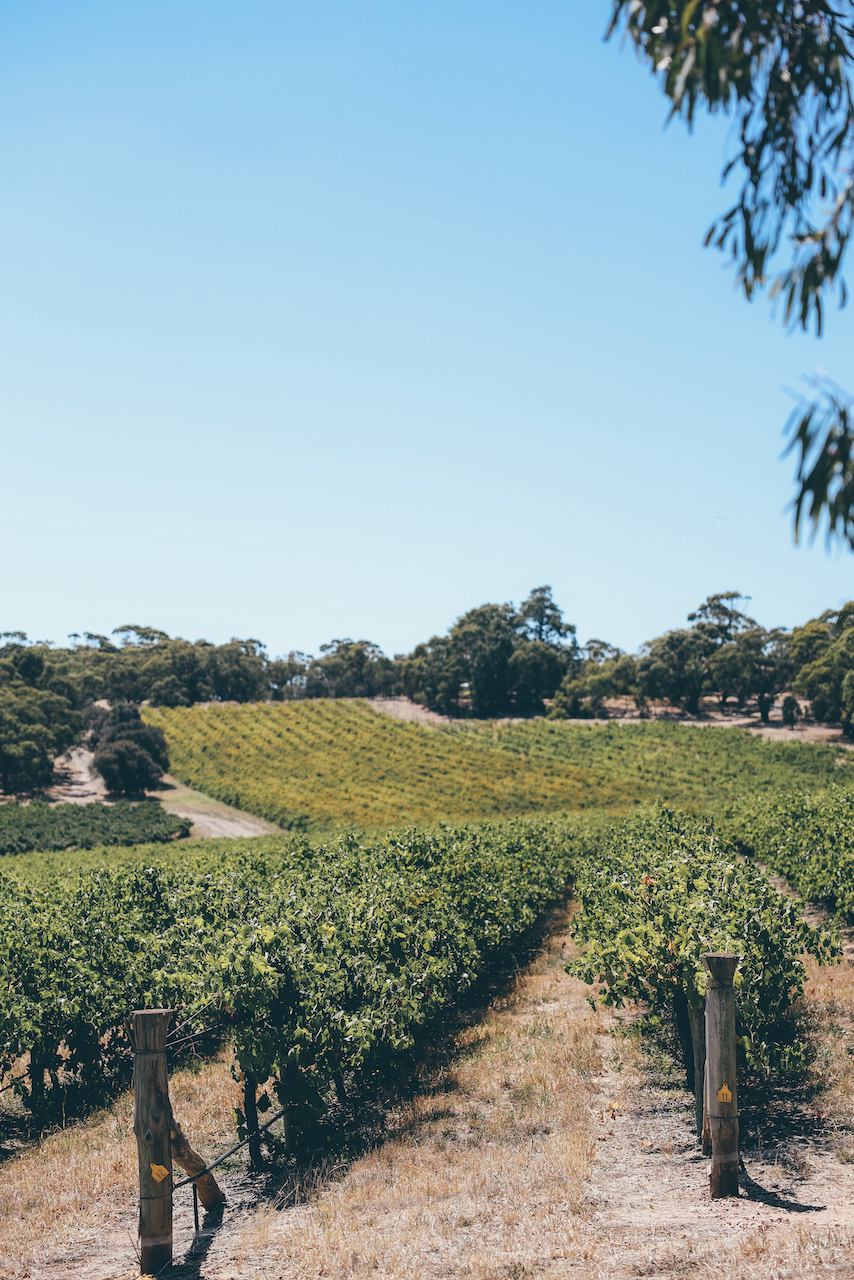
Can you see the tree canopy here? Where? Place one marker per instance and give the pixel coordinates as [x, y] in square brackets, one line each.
[495, 660]
[783, 69]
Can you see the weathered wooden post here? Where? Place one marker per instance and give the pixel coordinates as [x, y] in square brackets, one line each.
[152, 1124]
[250, 1112]
[192, 1163]
[697, 1022]
[722, 1094]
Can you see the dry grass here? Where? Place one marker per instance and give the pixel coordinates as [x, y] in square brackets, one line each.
[485, 1176]
[78, 1185]
[763, 1253]
[829, 1002]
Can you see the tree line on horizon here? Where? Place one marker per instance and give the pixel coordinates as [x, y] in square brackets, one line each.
[496, 660]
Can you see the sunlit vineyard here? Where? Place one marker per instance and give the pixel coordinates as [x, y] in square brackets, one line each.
[665, 888]
[688, 766]
[807, 836]
[85, 826]
[319, 958]
[314, 766]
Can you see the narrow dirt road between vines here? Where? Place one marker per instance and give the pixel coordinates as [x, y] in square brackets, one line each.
[544, 1146]
[78, 783]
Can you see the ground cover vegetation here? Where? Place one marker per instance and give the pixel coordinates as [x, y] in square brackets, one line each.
[322, 963]
[315, 766]
[44, 827]
[495, 661]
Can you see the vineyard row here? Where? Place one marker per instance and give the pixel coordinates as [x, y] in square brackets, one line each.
[326, 964]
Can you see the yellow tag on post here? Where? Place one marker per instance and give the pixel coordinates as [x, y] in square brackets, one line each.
[158, 1172]
[724, 1094]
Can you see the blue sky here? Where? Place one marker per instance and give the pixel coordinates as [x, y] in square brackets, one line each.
[334, 319]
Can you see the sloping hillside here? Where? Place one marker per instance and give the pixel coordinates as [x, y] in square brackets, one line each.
[322, 764]
[693, 767]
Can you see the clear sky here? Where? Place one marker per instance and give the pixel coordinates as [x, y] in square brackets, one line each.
[329, 319]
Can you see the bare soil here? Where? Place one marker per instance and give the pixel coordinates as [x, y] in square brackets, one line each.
[77, 783]
[403, 709]
[211, 818]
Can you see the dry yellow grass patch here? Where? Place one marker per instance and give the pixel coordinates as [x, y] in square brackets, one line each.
[829, 998]
[802, 1253]
[77, 1185]
[485, 1177]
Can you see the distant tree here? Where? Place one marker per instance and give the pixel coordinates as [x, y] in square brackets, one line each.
[495, 661]
[168, 692]
[485, 640]
[599, 651]
[36, 726]
[831, 639]
[235, 671]
[684, 664]
[126, 767]
[148, 737]
[130, 755]
[433, 674]
[675, 667]
[809, 642]
[765, 661]
[543, 620]
[717, 621]
[847, 703]
[535, 672]
[349, 669]
[103, 642]
[145, 636]
[728, 675]
[613, 675]
[791, 711]
[286, 677]
[784, 70]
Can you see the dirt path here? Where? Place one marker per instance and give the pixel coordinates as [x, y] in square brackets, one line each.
[210, 817]
[649, 1193]
[403, 709]
[547, 1146]
[77, 783]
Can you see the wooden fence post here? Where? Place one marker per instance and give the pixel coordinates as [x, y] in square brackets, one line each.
[722, 1094]
[152, 1123]
[697, 1019]
[192, 1163]
[250, 1112]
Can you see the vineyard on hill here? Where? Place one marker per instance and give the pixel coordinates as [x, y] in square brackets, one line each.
[315, 766]
[693, 767]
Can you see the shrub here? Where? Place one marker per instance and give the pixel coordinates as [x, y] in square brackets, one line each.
[127, 767]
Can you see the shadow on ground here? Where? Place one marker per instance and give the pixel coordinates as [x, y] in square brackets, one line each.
[366, 1118]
